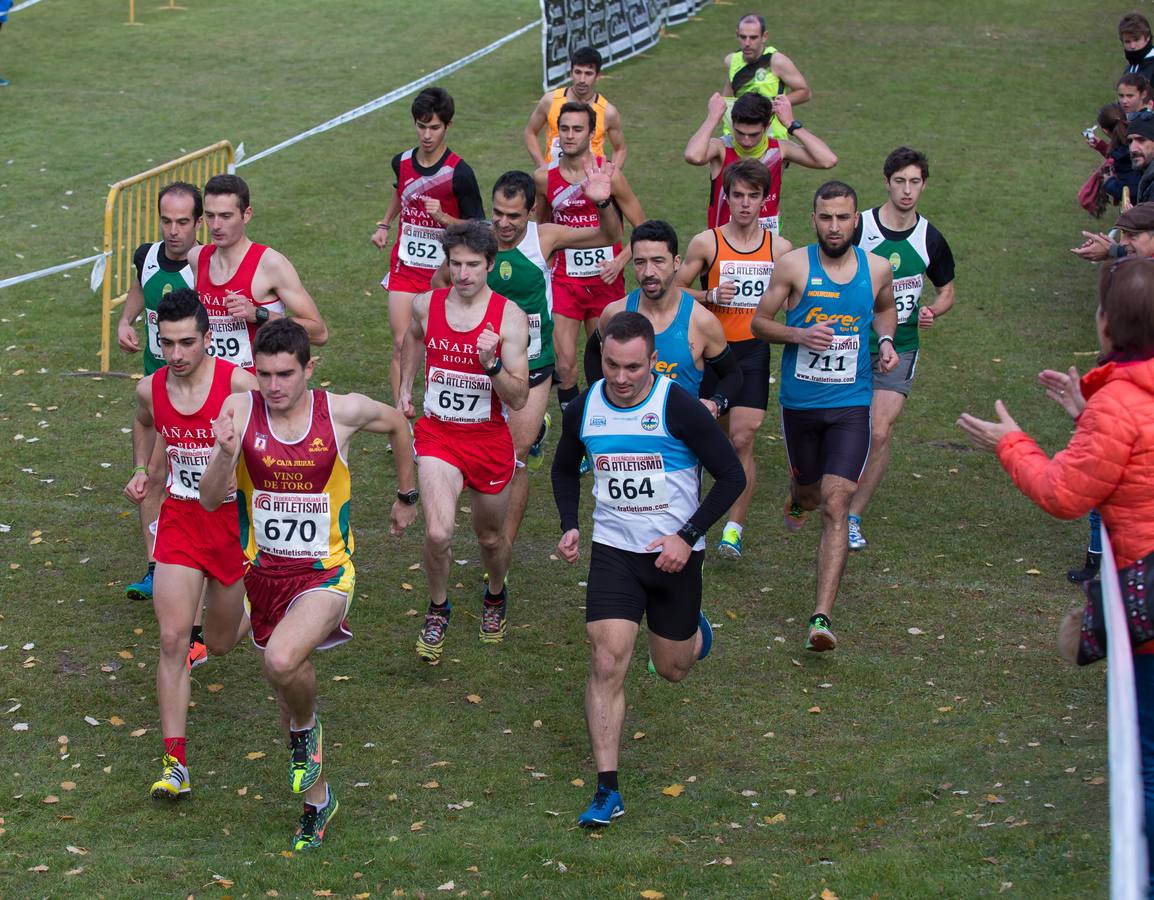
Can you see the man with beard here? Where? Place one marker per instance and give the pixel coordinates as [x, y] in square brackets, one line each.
[1140, 138]
[833, 293]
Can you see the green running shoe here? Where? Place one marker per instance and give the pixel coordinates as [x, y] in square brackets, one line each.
[821, 638]
[311, 828]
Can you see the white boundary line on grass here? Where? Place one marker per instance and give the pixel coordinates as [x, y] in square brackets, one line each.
[19, 6]
[364, 109]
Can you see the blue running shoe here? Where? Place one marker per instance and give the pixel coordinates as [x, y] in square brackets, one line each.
[729, 547]
[606, 807]
[706, 635]
[140, 590]
[857, 540]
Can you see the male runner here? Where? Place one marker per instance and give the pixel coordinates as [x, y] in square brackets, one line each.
[734, 263]
[476, 364]
[763, 70]
[584, 71]
[243, 284]
[287, 447]
[833, 293]
[648, 441]
[584, 280]
[161, 268]
[915, 251]
[435, 188]
[751, 140]
[688, 336]
[178, 402]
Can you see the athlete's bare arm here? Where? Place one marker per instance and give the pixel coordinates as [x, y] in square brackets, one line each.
[193, 256]
[441, 277]
[133, 306]
[380, 237]
[286, 284]
[512, 382]
[943, 303]
[242, 380]
[885, 310]
[143, 441]
[609, 312]
[412, 354]
[782, 66]
[615, 135]
[785, 290]
[806, 148]
[703, 148]
[356, 412]
[698, 258]
[542, 211]
[217, 481]
[727, 90]
[537, 121]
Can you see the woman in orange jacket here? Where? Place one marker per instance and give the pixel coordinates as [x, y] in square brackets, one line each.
[1109, 462]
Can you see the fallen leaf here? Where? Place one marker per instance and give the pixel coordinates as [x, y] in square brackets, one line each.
[915, 631]
[431, 785]
[405, 586]
[39, 868]
[816, 710]
[240, 792]
[776, 819]
[578, 782]
[1033, 572]
[340, 678]
[75, 871]
[125, 654]
[674, 790]
[827, 894]
[215, 688]
[638, 735]
[92, 720]
[994, 798]
[79, 851]
[68, 785]
[325, 892]
[473, 698]
[652, 895]
[50, 799]
[20, 726]
[256, 754]
[116, 720]
[447, 886]
[417, 826]
[140, 732]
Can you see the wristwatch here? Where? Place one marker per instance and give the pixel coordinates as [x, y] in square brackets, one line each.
[409, 497]
[794, 126]
[690, 533]
[494, 369]
[885, 337]
[261, 315]
[604, 204]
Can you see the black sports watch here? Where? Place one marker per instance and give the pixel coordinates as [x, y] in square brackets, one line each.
[690, 533]
[794, 126]
[409, 497]
[261, 315]
[494, 369]
[604, 204]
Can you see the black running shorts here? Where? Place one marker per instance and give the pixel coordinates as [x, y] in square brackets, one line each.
[826, 442]
[753, 358]
[625, 585]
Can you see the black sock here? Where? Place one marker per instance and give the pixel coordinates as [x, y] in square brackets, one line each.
[566, 395]
[198, 633]
[495, 599]
[151, 568]
[607, 780]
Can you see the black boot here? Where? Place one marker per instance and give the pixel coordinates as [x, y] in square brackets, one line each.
[1090, 570]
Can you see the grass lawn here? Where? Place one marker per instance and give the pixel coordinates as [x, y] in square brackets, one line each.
[943, 749]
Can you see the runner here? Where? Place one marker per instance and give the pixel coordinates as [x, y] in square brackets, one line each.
[475, 344]
[193, 547]
[584, 280]
[734, 263]
[751, 140]
[584, 72]
[435, 188]
[648, 441]
[690, 337]
[915, 251]
[243, 284]
[161, 268]
[287, 447]
[832, 292]
[762, 69]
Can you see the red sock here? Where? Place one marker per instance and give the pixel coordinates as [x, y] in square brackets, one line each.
[174, 747]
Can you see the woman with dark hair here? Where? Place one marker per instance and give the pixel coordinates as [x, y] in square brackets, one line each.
[1109, 462]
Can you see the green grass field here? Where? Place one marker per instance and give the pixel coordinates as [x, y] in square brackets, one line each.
[961, 760]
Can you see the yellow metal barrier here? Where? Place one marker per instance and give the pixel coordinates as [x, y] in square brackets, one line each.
[130, 219]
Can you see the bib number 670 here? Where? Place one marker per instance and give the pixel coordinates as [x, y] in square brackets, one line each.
[284, 529]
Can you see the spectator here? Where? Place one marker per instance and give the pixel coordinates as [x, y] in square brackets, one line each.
[1109, 462]
[1140, 140]
[1118, 170]
[1134, 33]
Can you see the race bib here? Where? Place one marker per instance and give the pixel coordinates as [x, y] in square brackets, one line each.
[631, 482]
[185, 467]
[907, 293]
[230, 340]
[461, 397]
[586, 263]
[769, 223]
[534, 335]
[152, 329]
[835, 365]
[750, 281]
[420, 247]
[292, 525]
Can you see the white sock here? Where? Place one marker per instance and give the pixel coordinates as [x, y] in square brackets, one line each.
[328, 797]
[736, 527]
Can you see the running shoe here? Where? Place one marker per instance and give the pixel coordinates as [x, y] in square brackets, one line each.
[1087, 572]
[305, 759]
[729, 547]
[606, 807]
[197, 653]
[493, 618]
[821, 638]
[431, 640]
[140, 590]
[537, 451]
[4, 82]
[706, 635]
[173, 781]
[857, 540]
[794, 515]
[311, 828]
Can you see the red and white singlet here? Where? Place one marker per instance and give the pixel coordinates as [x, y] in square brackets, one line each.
[232, 337]
[417, 251]
[718, 204]
[572, 208]
[457, 390]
